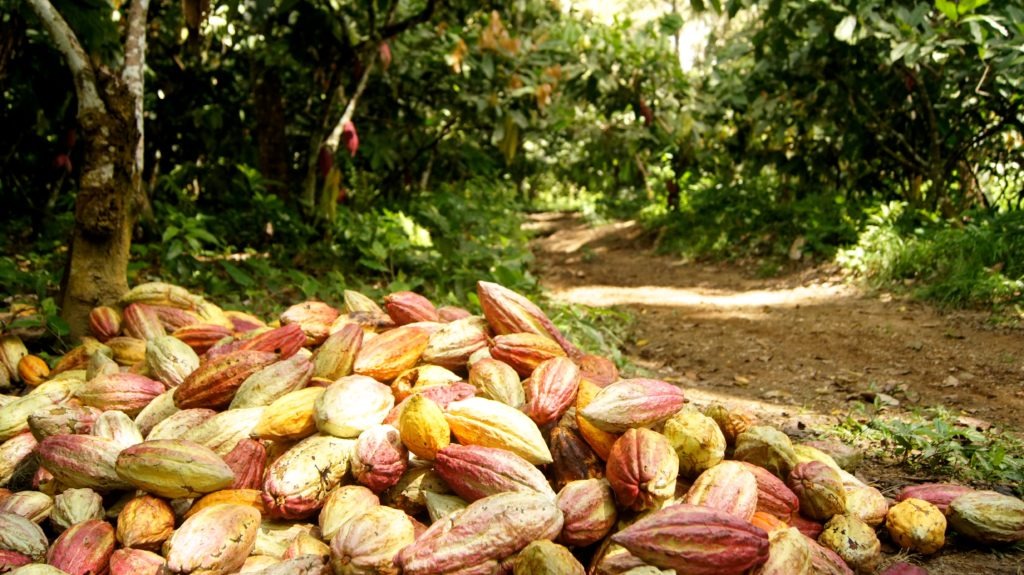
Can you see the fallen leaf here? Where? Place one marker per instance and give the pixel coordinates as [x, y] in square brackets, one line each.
[972, 422]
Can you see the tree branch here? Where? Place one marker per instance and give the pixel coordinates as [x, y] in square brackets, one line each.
[350, 108]
[914, 162]
[416, 19]
[81, 69]
[133, 73]
[934, 142]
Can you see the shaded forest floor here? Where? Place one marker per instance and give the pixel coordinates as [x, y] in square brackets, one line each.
[800, 350]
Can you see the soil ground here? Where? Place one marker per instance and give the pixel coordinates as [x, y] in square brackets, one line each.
[800, 350]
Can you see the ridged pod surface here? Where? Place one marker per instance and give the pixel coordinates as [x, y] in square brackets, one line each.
[729, 486]
[298, 482]
[214, 383]
[938, 494]
[573, 458]
[642, 469]
[352, 405]
[509, 312]
[551, 390]
[423, 427]
[917, 525]
[697, 439]
[379, 458]
[84, 549]
[524, 351]
[588, 508]
[452, 345]
[387, 355]
[214, 541]
[498, 381]
[127, 392]
[342, 505]
[174, 468]
[546, 558]
[489, 530]
[478, 421]
[170, 360]
[988, 517]
[272, 382]
[789, 553]
[369, 543]
[136, 562]
[82, 461]
[630, 403]
[474, 472]
[145, 522]
[22, 536]
[854, 541]
[696, 541]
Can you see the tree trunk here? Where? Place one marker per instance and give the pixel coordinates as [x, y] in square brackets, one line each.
[270, 130]
[310, 197]
[110, 124]
[98, 262]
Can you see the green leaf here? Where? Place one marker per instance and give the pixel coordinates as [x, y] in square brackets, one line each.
[373, 264]
[900, 50]
[948, 9]
[240, 277]
[26, 323]
[697, 5]
[956, 8]
[487, 66]
[519, 119]
[507, 276]
[670, 24]
[204, 235]
[844, 31]
[991, 21]
[173, 251]
[58, 325]
[378, 251]
[170, 233]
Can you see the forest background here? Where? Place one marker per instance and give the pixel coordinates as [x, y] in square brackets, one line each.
[269, 151]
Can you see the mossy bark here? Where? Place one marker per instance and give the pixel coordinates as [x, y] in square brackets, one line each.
[108, 195]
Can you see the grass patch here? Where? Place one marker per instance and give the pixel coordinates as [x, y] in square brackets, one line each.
[600, 331]
[978, 261]
[938, 443]
[752, 219]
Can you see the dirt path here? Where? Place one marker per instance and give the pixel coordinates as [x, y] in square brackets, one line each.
[801, 349]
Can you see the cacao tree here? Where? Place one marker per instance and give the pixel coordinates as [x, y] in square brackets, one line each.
[361, 44]
[909, 100]
[110, 122]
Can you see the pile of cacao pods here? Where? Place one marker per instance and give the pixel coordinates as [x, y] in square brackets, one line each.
[182, 438]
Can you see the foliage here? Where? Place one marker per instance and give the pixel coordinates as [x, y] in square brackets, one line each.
[748, 219]
[879, 99]
[975, 261]
[801, 123]
[602, 331]
[937, 443]
[439, 245]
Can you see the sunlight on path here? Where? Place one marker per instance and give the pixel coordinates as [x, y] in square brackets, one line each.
[603, 296]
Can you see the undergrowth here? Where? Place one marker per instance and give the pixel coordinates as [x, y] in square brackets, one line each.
[751, 219]
[265, 256]
[977, 261]
[937, 443]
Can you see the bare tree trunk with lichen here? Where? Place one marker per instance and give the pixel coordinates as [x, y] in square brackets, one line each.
[110, 123]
